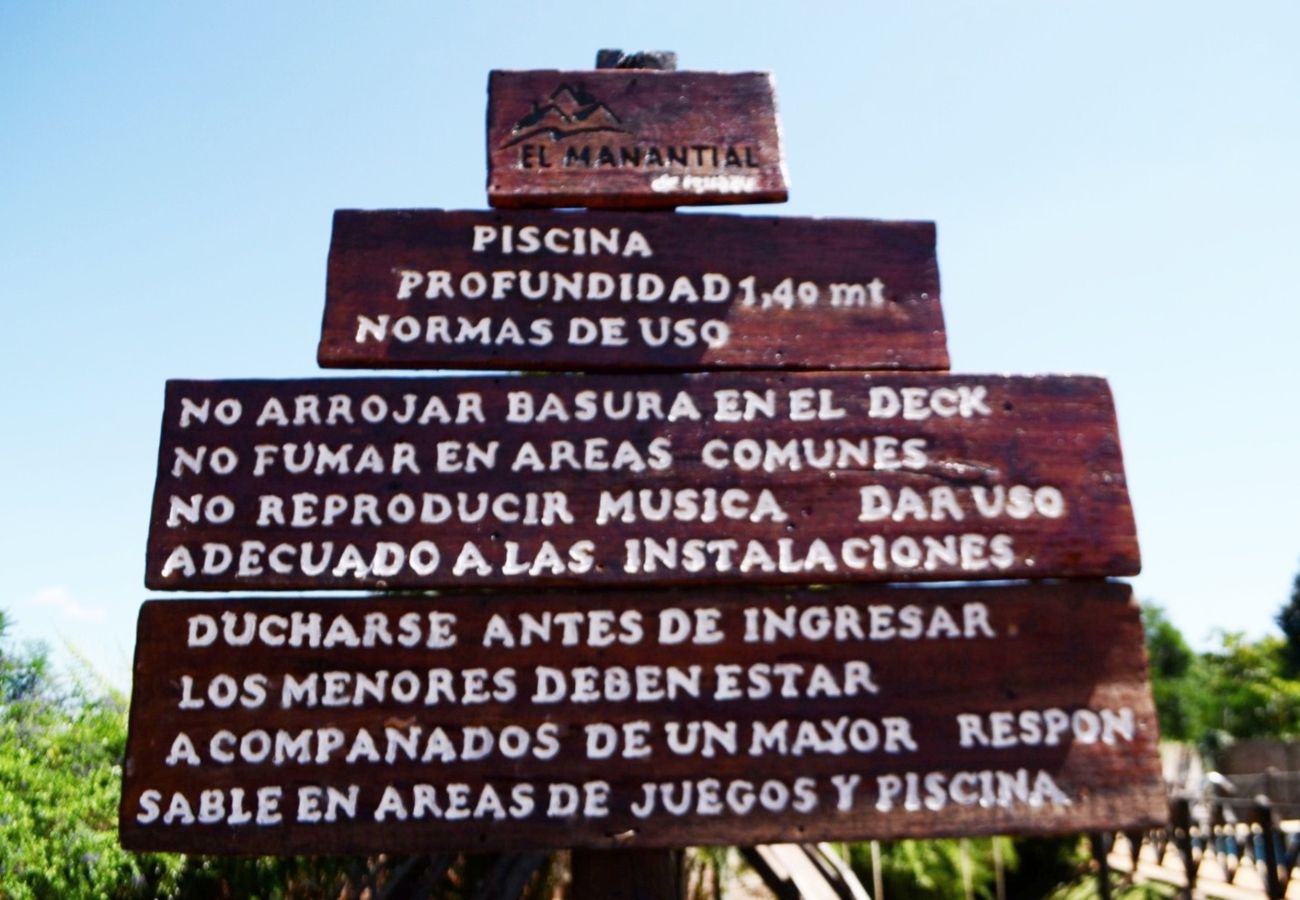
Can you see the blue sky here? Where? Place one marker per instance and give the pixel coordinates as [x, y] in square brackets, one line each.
[1115, 186]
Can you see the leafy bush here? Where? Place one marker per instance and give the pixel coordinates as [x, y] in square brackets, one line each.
[934, 870]
[1240, 690]
[60, 752]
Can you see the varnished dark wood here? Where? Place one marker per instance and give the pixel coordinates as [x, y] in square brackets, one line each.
[933, 654]
[632, 139]
[827, 489]
[481, 290]
[627, 875]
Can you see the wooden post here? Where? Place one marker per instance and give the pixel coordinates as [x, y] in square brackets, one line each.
[1264, 815]
[1135, 838]
[1180, 825]
[627, 875]
[1101, 854]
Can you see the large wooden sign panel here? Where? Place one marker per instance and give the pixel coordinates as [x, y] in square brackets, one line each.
[561, 480]
[600, 719]
[592, 291]
[632, 138]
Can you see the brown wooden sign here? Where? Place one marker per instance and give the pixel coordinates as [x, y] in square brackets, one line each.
[598, 719]
[632, 138]
[560, 480]
[592, 291]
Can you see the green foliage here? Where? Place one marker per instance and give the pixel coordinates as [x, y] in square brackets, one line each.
[934, 870]
[708, 869]
[1288, 619]
[1047, 863]
[59, 784]
[1063, 869]
[1086, 888]
[1244, 692]
[1172, 685]
[1243, 689]
[1167, 651]
[23, 675]
[1052, 868]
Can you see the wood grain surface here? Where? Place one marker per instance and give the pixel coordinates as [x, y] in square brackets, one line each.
[625, 480]
[434, 723]
[632, 139]
[629, 291]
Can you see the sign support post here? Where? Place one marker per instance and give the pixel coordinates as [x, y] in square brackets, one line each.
[1100, 842]
[629, 874]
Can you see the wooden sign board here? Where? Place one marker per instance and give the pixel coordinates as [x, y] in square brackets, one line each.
[510, 721]
[632, 138]
[607, 291]
[791, 478]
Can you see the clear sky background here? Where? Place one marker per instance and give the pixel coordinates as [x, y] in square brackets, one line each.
[1116, 186]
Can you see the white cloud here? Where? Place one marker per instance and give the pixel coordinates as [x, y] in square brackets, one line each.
[67, 606]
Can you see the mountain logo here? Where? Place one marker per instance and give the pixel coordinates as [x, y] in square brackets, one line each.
[568, 111]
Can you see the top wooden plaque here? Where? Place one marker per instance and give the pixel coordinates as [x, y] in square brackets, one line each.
[632, 139]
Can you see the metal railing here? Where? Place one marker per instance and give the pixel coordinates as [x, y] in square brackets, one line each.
[1230, 833]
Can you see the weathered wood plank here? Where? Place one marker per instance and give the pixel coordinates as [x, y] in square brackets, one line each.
[847, 714]
[603, 480]
[639, 291]
[632, 138]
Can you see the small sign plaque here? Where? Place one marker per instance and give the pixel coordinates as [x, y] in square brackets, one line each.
[632, 138]
[790, 478]
[611, 290]
[527, 720]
